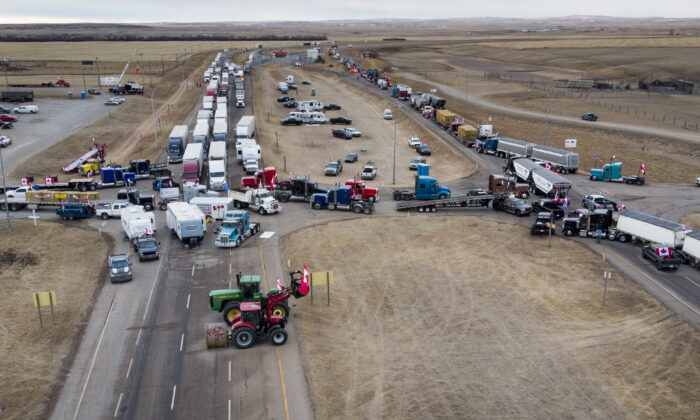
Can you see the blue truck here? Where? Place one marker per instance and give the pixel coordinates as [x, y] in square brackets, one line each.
[488, 146]
[341, 198]
[76, 211]
[235, 229]
[613, 173]
[426, 187]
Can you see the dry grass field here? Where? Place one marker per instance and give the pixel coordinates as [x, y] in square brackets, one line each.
[307, 149]
[33, 359]
[692, 221]
[437, 322]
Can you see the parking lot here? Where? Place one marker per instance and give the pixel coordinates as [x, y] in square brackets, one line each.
[56, 119]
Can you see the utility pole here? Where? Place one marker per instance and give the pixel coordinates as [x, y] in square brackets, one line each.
[546, 119]
[393, 182]
[99, 82]
[84, 85]
[4, 188]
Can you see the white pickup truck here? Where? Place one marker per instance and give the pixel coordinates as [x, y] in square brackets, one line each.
[5, 141]
[106, 208]
[260, 200]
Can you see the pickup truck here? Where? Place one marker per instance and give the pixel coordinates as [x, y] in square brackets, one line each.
[106, 209]
[5, 141]
[593, 202]
[542, 224]
[146, 247]
[369, 172]
[662, 256]
[75, 212]
[342, 133]
[334, 168]
[517, 206]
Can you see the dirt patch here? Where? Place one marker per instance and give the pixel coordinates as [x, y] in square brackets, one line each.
[307, 149]
[437, 322]
[50, 257]
[691, 220]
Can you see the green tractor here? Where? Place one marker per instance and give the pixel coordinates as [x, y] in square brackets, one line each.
[228, 301]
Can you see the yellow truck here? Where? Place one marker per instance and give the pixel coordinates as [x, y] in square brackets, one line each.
[91, 166]
[444, 117]
[466, 133]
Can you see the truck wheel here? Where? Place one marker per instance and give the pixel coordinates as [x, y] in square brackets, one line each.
[104, 216]
[261, 211]
[231, 310]
[83, 187]
[644, 255]
[371, 199]
[640, 182]
[317, 206]
[611, 237]
[278, 336]
[357, 208]
[367, 210]
[237, 204]
[163, 206]
[433, 209]
[624, 238]
[568, 232]
[13, 207]
[518, 213]
[238, 243]
[442, 196]
[148, 207]
[244, 337]
[281, 309]
[524, 195]
[420, 209]
[93, 187]
[594, 178]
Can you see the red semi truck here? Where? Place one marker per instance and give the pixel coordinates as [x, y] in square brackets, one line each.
[361, 188]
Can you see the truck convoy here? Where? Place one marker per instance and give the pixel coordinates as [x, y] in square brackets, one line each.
[637, 226]
[260, 200]
[176, 143]
[187, 221]
[235, 229]
[613, 173]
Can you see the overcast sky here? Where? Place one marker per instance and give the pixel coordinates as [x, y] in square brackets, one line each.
[34, 11]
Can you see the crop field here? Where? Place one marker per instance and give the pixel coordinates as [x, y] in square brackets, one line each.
[34, 358]
[459, 333]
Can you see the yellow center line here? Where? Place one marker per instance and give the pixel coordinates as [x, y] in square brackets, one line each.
[279, 360]
[654, 281]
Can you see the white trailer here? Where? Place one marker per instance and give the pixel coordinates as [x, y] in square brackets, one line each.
[524, 167]
[260, 200]
[512, 147]
[216, 207]
[187, 221]
[220, 131]
[245, 129]
[217, 151]
[201, 132]
[548, 183]
[637, 226]
[691, 247]
[204, 114]
[136, 222]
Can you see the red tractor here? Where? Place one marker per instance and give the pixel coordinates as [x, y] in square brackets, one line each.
[254, 322]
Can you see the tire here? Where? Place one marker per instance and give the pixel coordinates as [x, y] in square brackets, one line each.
[371, 199]
[163, 206]
[442, 196]
[104, 216]
[420, 210]
[594, 178]
[568, 232]
[278, 336]
[433, 209]
[13, 207]
[317, 206]
[611, 237]
[623, 238]
[244, 337]
[93, 187]
[518, 213]
[238, 243]
[281, 309]
[357, 208]
[261, 211]
[83, 187]
[644, 255]
[148, 207]
[629, 182]
[639, 182]
[230, 310]
[524, 195]
[237, 204]
[367, 210]
[284, 187]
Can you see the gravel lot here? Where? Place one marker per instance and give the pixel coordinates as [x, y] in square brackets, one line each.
[57, 118]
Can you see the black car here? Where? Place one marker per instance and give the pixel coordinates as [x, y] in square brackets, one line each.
[284, 99]
[4, 125]
[547, 205]
[424, 149]
[164, 182]
[290, 104]
[589, 117]
[332, 107]
[542, 224]
[292, 121]
[341, 120]
[351, 157]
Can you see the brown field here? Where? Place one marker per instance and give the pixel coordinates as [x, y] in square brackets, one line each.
[34, 358]
[691, 220]
[126, 124]
[451, 331]
[307, 149]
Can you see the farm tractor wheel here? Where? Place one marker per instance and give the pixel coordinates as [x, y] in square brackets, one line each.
[278, 336]
[244, 337]
[231, 310]
[281, 309]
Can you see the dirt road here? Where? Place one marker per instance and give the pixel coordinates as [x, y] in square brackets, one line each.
[439, 323]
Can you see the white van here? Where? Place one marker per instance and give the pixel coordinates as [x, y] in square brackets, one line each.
[387, 114]
[283, 87]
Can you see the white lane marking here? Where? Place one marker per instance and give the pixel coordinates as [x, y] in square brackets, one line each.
[182, 341]
[94, 357]
[192, 270]
[229, 269]
[686, 277]
[150, 295]
[229, 409]
[131, 362]
[138, 337]
[229, 371]
[188, 301]
[116, 410]
[172, 402]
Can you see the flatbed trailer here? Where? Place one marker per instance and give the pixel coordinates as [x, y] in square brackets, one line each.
[466, 201]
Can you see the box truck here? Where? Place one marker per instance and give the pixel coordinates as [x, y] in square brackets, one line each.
[245, 129]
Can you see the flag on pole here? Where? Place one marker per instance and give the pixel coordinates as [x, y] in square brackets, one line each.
[643, 168]
[566, 203]
[280, 286]
[548, 166]
[137, 69]
[273, 181]
[304, 287]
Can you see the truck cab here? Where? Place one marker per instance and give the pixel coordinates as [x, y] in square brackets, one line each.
[607, 172]
[263, 178]
[235, 229]
[500, 184]
[361, 189]
[134, 197]
[428, 188]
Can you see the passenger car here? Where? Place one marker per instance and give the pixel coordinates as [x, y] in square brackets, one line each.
[351, 157]
[4, 110]
[332, 107]
[414, 163]
[292, 121]
[589, 117]
[119, 268]
[424, 149]
[341, 120]
[290, 104]
[112, 101]
[284, 99]
[8, 118]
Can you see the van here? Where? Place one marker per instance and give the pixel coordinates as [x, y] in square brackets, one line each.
[283, 87]
[387, 114]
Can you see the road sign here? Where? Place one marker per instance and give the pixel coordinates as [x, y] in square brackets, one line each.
[570, 143]
[596, 157]
[44, 299]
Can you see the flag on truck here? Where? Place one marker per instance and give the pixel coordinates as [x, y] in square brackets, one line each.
[643, 168]
[566, 203]
[664, 252]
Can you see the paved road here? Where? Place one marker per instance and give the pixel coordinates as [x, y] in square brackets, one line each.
[56, 119]
[640, 129]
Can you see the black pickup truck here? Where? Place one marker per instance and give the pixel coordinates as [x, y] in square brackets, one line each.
[662, 256]
[342, 133]
[135, 198]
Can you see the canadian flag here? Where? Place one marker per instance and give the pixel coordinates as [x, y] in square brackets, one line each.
[148, 232]
[273, 181]
[548, 166]
[643, 168]
[304, 287]
[566, 203]
[137, 69]
[664, 252]
[25, 181]
[280, 286]
[621, 207]
[48, 181]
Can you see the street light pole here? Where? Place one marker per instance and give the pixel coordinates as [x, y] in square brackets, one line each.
[4, 188]
[393, 182]
[153, 113]
[546, 119]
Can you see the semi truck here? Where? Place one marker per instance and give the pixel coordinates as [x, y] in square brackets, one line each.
[298, 189]
[588, 223]
[360, 189]
[192, 162]
[691, 249]
[260, 200]
[23, 196]
[136, 222]
[245, 129]
[135, 198]
[638, 226]
[488, 146]
[613, 173]
[176, 143]
[341, 198]
[512, 147]
[263, 178]
[187, 221]
[425, 188]
[217, 175]
[503, 185]
[562, 161]
[235, 229]
[215, 207]
[220, 131]
[143, 168]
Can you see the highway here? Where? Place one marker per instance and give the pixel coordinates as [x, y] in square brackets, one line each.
[143, 355]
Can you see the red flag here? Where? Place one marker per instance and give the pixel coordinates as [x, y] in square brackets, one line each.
[280, 286]
[273, 181]
[304, 288]
[137, 69]
[643, 168]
